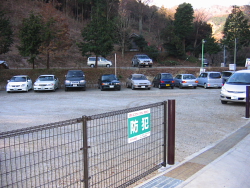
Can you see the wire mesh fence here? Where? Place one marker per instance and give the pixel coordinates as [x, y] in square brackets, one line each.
[92, 151]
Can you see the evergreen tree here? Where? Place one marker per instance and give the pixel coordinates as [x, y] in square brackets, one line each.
[31, 38]
[183, 23]
[236, 29]
[98, 35]
[6, 34]
[140, 42]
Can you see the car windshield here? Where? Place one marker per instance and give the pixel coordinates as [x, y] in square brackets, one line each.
[214, 75]
[108, 77]
[45, 78]
[188, 77]
[75, 74]
[139, 77]
[18, 79]
[167, 76]
[143, 57]
[239, 78]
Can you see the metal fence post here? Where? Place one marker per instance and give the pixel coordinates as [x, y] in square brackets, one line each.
[171, 131]
[247, 101]
[85, 152]
[165, 134]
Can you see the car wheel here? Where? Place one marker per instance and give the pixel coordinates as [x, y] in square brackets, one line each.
[159, 86]
[66, 89]
[132, 86]
[84, 89]
[194, 87]
[223, 102]
[150, 66]
[8, 91]
[108, 65]
[180, 86]
[172, 87]
[92, 66]
[149, 88]
[102, 89]
[205, 86]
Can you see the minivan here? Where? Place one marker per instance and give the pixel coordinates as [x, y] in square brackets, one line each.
[210, 79]
[102, 62]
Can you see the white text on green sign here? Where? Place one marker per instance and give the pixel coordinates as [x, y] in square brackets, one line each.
[138, 125]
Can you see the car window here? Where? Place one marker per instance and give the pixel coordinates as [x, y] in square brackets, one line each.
[226, 74]
[167, 76]
[91, 58]
[75, 74]
[108, 77]
[214, 75]
[143, 57]
[139, 77]
[240, 78]
[18, 79]
[45, 78]
[188, 77]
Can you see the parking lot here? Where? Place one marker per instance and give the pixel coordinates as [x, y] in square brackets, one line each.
[201, 119]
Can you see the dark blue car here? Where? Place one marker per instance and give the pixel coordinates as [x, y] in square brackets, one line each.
[163, 80]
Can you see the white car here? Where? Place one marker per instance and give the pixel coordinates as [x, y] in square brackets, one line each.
[234, 90]
[138, 81]
[46, 83]
[19, 83]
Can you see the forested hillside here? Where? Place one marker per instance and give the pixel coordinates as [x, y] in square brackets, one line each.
[66, 20]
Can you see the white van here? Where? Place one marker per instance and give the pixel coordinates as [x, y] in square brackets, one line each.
[210, 79]
[102, 62]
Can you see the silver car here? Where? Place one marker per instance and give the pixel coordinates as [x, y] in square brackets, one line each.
[185, 80]
[210, 79]
[142, 60]
[234, 90]
[138, 81]
[46, 83]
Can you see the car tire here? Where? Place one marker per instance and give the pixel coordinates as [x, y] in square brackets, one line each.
[149, 88]
[223, 102]
[132, 86]
[108, 65]
[150, 66]
[205, 86]
[172, 87]
[102, 89]
[180, 86]
[84, 89]
[92, 66]
[66, 89]
[194, 87]
[159, 86]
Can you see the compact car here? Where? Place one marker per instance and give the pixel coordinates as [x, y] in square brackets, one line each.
[135, 81]
[163, 80]
[46, 83]
[109, 81]
[19, 83]
[185, 80]
[234, 90]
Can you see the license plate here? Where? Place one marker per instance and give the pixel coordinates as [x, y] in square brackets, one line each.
[111, 86]
[142, 86]
[234, 98]
[167, 84]
[74, 85]
[190, 85]
[215, 85]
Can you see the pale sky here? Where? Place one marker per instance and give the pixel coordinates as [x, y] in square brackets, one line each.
[199, 3]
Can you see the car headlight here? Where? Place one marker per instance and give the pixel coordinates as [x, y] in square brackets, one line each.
[67, 82]
[23, 85]
[82, 81]
[105, 84]
[117, 83]
[51, 84]
[35, 84]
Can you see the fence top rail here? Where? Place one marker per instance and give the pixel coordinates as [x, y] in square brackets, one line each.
[38, 128]
[118, 112]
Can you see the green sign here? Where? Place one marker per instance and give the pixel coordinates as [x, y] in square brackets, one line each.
[138, 125]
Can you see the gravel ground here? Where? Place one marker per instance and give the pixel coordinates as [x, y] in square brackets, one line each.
[201, 120]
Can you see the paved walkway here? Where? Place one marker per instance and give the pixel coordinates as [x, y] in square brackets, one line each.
[226, 164]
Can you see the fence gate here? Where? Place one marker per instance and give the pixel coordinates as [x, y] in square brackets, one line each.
[113, 149]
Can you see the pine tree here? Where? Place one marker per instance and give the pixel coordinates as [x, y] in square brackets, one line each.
[6, 34]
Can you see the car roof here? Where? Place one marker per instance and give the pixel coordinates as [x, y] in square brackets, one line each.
[21, 76]
[47, 75]
[244, 71]
[137, 74]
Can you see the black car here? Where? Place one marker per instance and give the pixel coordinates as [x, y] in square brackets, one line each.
[75, 79]
[109, 81]
[163, 80]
